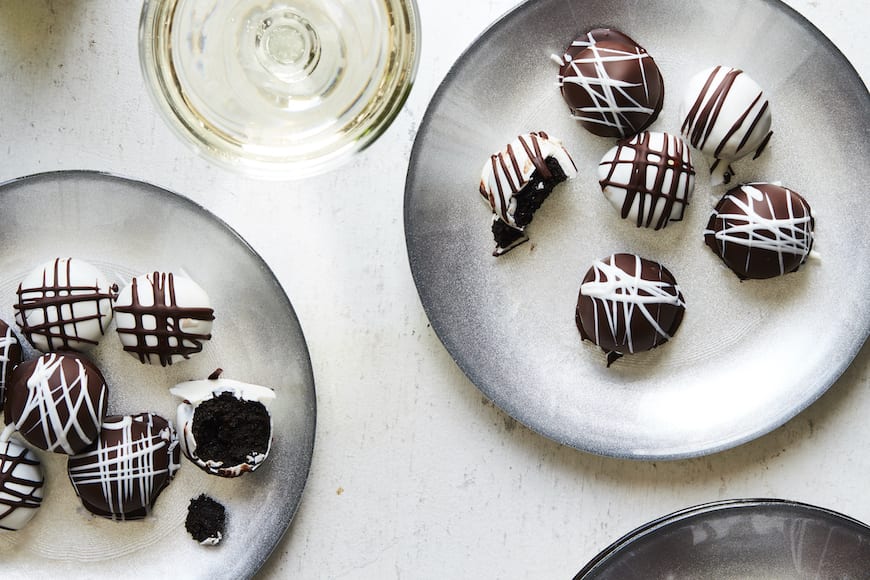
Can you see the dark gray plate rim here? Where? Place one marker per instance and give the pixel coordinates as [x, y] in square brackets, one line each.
[753, 505]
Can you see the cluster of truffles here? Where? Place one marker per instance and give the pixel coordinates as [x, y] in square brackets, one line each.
[614, 89]
[57, 402]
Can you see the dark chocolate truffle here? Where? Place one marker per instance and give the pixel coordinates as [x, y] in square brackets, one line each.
[517, 180]
[649, 178]
[10, 356]
[65, 304]
[21, 482]
[761, 230]
[612, 85]
[163, 318]
[57, 402]
[206, 520]
[226, 426]
[133, 461]
[628, 304]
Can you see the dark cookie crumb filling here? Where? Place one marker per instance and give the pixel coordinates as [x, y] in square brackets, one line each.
[528, 200]
[206, 518]
[230, 430]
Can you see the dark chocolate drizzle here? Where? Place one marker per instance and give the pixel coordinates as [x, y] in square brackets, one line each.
[168, 315]
[662, 163]
[59, 299]
[11, 495]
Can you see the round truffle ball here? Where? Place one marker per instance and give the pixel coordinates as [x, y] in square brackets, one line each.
[727, 116]
[57, 402]
[611, 84]
[517, 180]
[162, 318]
[135, 458]
[225, 424]
[761, 230]
[65, 304]
[628, 304]
[21, 482]
[10, 356]
[649, 178]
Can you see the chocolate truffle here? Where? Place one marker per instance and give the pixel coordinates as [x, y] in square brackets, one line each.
[21, 482]
[226, 426]
[628, 304]
[612, 85]
[163, 318]
[727, 116]
[65, 304]
[761, 230]
[135, 458]
[206, 520]
[649, 178]
[57, 402]
[10, 356]
[517, 180]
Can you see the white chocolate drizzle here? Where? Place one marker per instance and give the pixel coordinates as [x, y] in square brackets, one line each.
[612, 100]
[789, 235]
[47, 393]
[126, 471]
[622, 296]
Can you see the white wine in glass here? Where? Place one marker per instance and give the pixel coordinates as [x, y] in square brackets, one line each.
[279, 88]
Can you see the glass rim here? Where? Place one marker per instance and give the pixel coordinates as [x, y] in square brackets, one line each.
[166, 91]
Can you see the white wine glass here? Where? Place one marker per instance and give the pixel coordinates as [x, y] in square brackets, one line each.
[279, 88]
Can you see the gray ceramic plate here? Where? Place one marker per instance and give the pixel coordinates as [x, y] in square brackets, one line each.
[126, 228]
[745, 539]
[749, 356]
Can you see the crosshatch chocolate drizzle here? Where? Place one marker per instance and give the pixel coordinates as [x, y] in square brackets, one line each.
[669, 164]
[167, 335]
[58, 299]
[16, 491]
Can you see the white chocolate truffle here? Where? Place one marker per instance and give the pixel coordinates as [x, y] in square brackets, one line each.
[162, 318]
[649, 178]
[64, 304]
[225, 425]
[21, 482]
[726, 115]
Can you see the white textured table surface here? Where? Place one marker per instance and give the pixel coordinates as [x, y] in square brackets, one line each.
[415, 474]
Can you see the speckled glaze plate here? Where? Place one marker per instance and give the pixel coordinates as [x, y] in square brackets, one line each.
[126, 228]
[748, 356]
[745, 539]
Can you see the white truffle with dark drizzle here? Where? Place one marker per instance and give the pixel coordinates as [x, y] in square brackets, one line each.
[517, 180]
[21, 485]
[727, 116]
[649, 178]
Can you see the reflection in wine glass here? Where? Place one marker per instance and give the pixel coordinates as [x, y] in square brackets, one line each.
[279, 88]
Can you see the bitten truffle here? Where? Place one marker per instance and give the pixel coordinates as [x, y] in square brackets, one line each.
[162, 318]
[628, 304]
[133, 461]
[611, 84]
[761, 230]
[57, 402]
[65, 304]
[21, 485]
[517, 180]
[226, 428]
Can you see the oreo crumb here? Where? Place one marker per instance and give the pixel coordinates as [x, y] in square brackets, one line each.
[206, 520]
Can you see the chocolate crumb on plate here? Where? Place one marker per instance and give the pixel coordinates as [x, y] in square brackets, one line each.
[206, 520]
